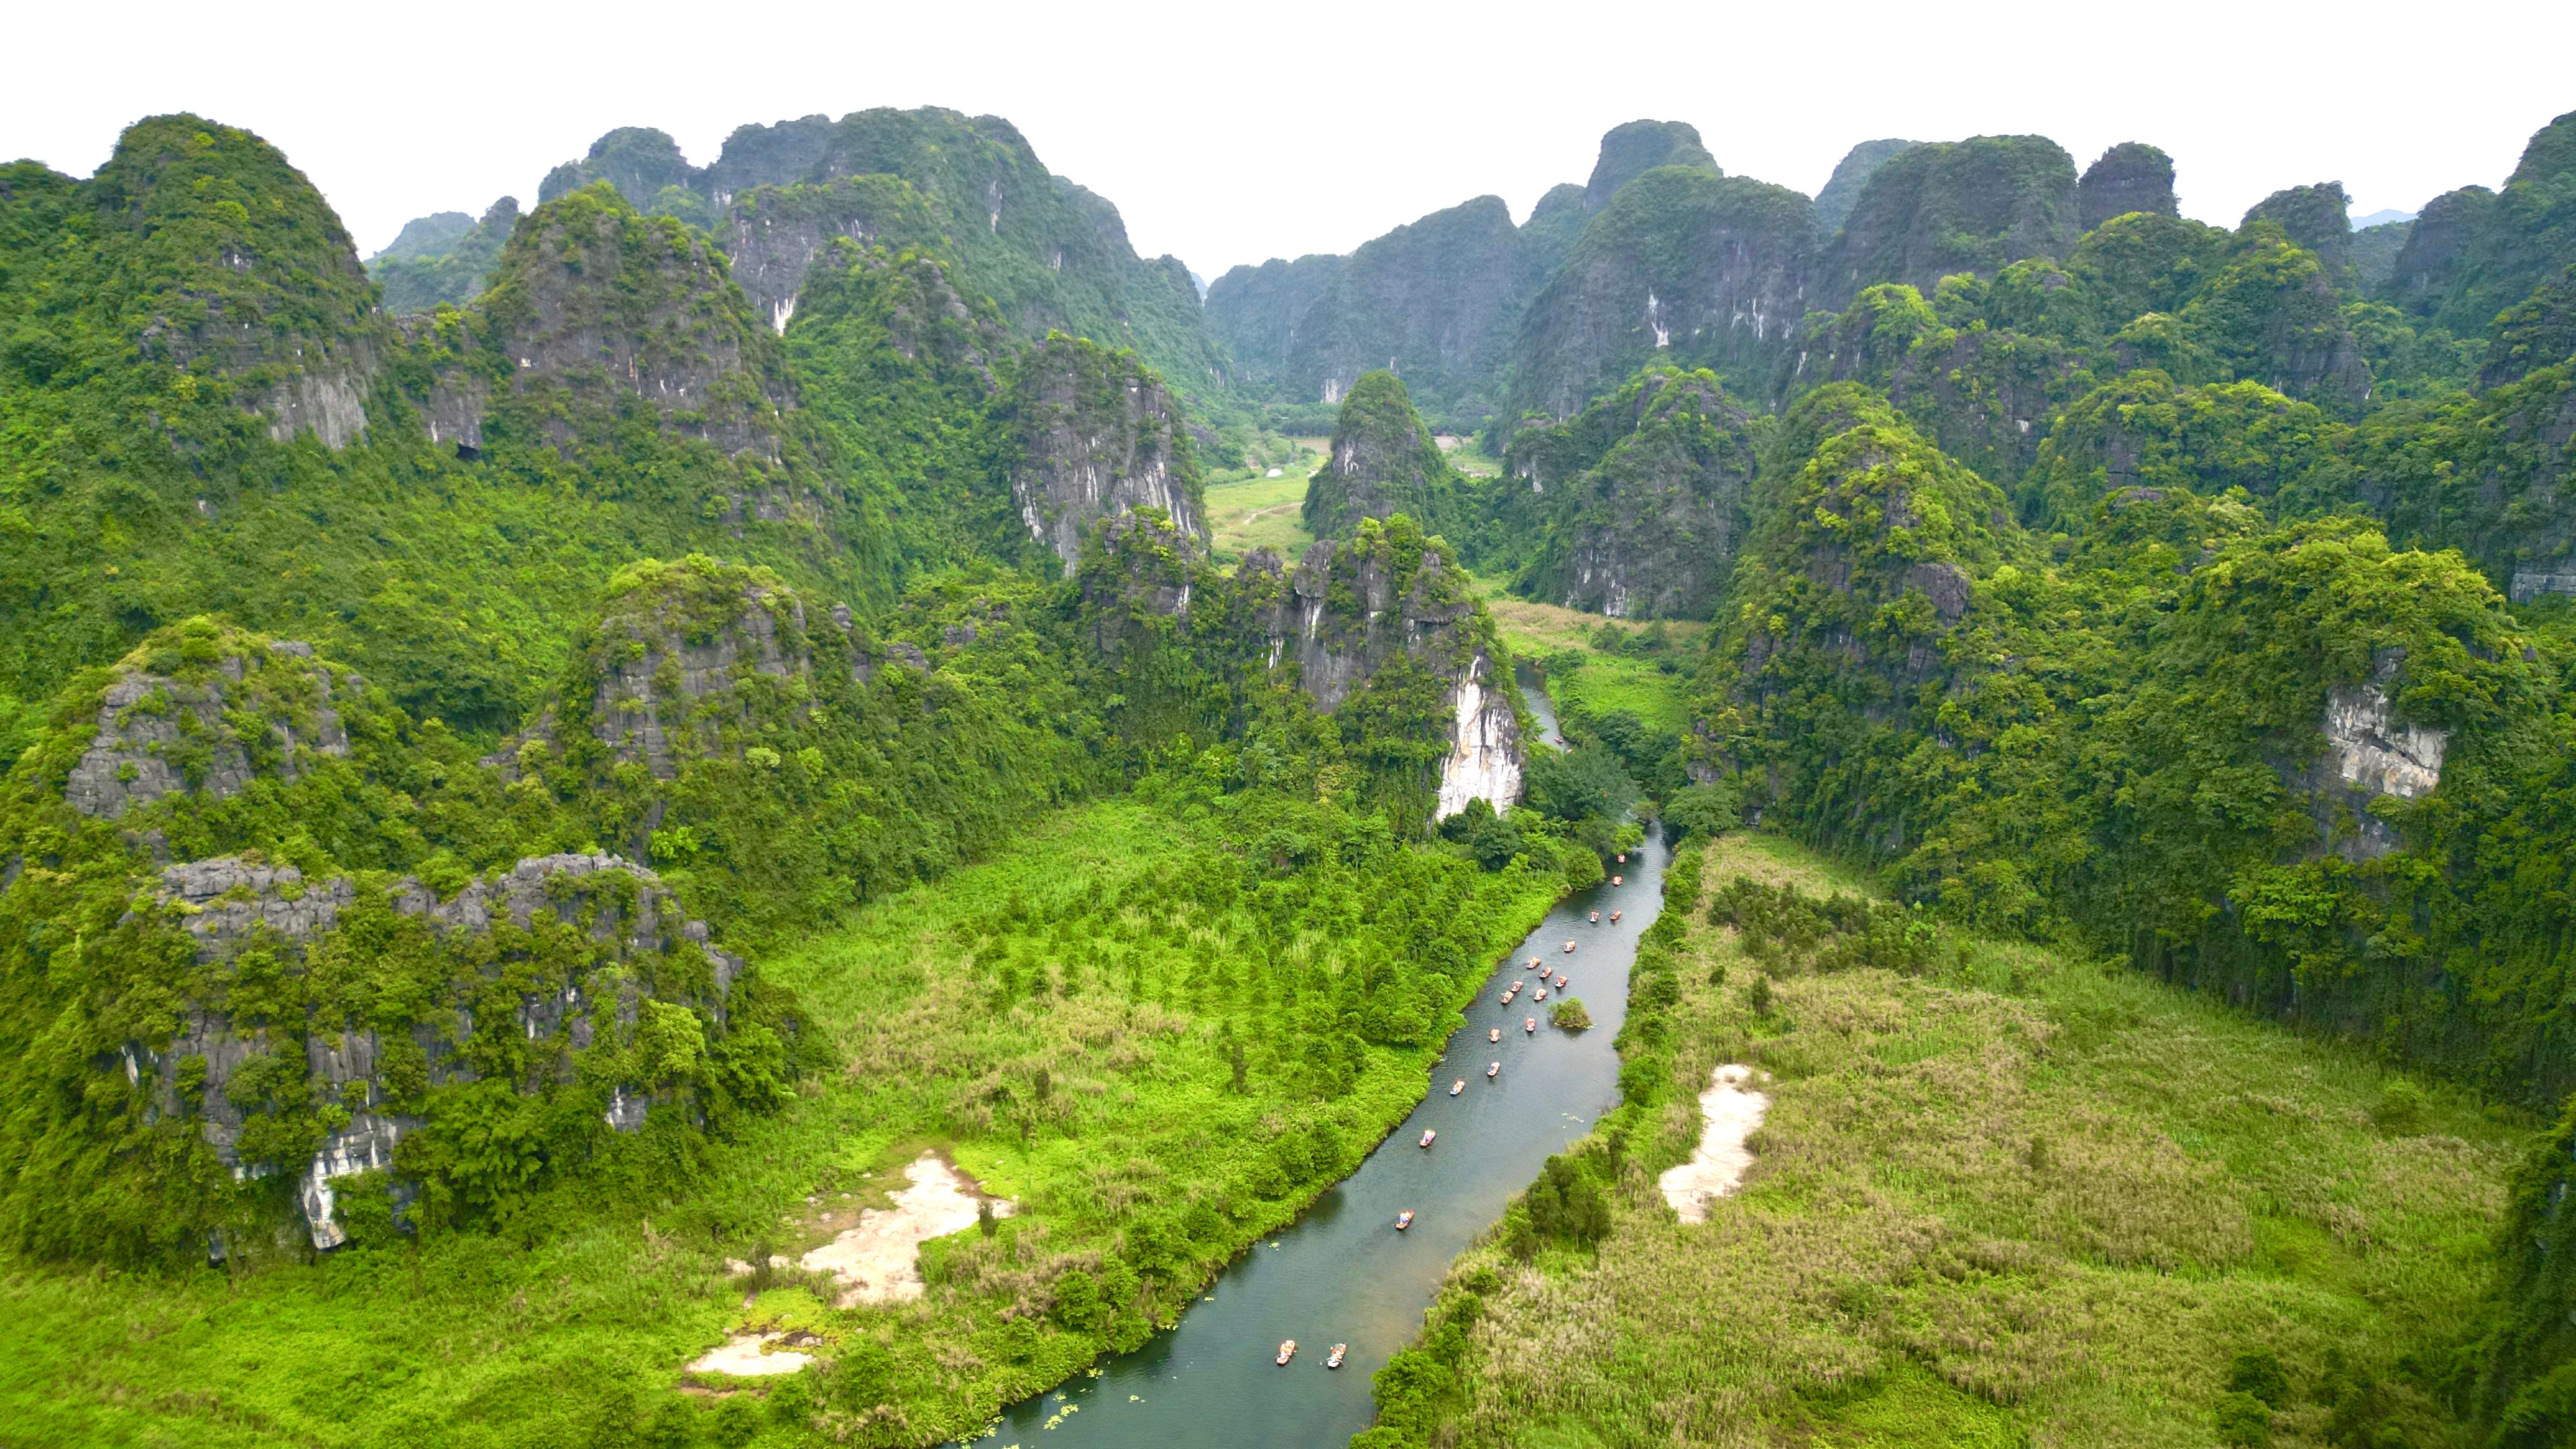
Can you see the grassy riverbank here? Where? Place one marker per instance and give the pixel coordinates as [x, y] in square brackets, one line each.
[1066, 1020]
[2000, 1198]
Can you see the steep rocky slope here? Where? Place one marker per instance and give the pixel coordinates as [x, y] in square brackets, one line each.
[1955, 206]
[1050, 254]
[1683, 265]
[1842, 188]
[1098, 436]
[1381, 461]
[2474, 252]
[447, 265]
[2132, 176]
[1643, 498]
[1630, 150]
[1254, 312]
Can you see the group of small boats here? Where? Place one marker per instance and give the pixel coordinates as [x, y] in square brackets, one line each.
[1404, 1219]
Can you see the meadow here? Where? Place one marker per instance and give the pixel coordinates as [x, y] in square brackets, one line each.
[1156, 1041]
[1248, 509]
[2001, 1197]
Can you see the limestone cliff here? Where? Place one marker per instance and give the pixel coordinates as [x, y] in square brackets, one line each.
[2474, 252]
[1051, 255]
[1631, 150]
[1852, 172]
[1097, 435]
[1683, 266]
[2132, 176]
[592, 938]
[1434, 301]
[2368, 754]
[1381, 462]
[774, 235]
[2317, 217]
[219, 258]
[1378, 616]
[1643, 499]
[1977, 205]
[1254, 312]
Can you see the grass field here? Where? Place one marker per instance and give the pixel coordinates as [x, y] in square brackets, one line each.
[1056, 1019]
[1249, 510]
[2018, 1201]
[1582, 677]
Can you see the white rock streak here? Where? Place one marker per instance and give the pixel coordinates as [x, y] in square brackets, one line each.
[1729, 1112]
[1482, 764]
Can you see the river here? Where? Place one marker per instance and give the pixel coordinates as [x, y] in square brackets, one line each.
[1343, 1273]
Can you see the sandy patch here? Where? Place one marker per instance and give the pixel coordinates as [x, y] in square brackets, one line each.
[741, 1356]
[1730, 1112]
[879, 1261]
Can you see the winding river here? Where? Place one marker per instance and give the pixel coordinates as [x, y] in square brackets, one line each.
[1343, 1273]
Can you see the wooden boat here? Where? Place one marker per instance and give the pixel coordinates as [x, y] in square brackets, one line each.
[1340, 1349]
[1530, 1024]
[1425, 1144]
[1623, 857]
[1404, 1220]
[1560, 982]
[1618, 880]
[1596, 918]
[1541, 996]
[1457, 1086]
[1493, 1071]
[1615, 915]
[1495, 1035]
[1569, 948]
[1287, 1351]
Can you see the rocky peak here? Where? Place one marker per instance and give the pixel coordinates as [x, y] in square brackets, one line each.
[1852, 172]
[1633, 148]
[594, 301]
[1381, 462]
[1351, 610]
[678, 644]
[207, 719]
[1098, 436]
[1683, 266]
[2317, 218]
[1645, 498]
[1977, 205]
[2132, 176]
[638, 160]
[1435, 300]
[223, 259]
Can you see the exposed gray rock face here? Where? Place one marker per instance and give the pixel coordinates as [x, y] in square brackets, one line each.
[1254, 313]
[774, 236]
[1683, 266]
[159, 736]
[641, 716]
[1099, 436]
[1643, 499]
[2132, 176]
[1632, 149]
[228, 903]
[1333, 656]
[457, 403]
[1850, 174]
[587, 306]
[2368, 754]
[1434, 301]
[331, 404]
[1977, 205]
[2317, 217]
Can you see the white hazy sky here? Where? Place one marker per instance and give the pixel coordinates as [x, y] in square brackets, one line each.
[1231, 133]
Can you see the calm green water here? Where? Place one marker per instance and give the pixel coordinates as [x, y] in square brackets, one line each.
[1343, 1273]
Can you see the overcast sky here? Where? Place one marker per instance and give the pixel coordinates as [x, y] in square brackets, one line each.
[1231, 133]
